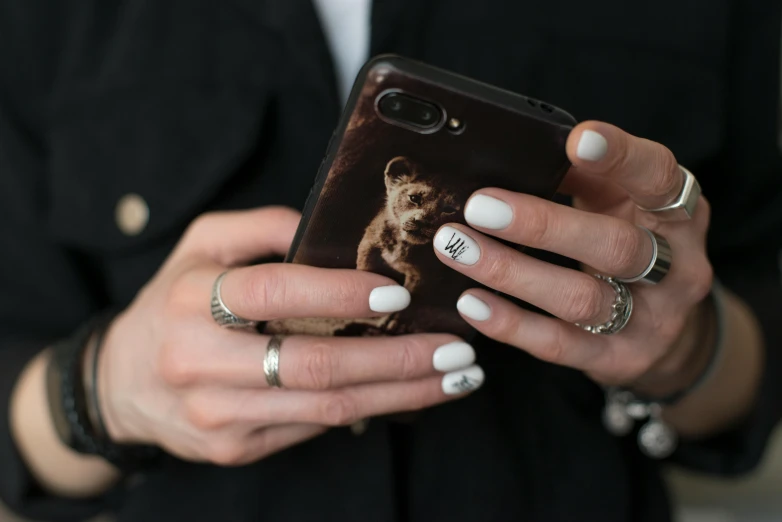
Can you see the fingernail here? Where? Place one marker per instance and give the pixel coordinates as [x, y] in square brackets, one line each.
[453, 356]
[390, 298]
[457, 245]
[488, 212]
[592, 146]
[463, 381]
[473, 307]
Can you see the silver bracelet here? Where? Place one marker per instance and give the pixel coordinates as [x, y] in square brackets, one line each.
[656, 438]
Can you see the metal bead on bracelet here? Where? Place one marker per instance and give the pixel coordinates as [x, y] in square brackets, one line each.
[655, 438]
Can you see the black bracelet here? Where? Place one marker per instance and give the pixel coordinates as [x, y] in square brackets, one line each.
[76, 413]
[91, 379]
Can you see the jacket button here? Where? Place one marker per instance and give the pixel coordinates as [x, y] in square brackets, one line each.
[132, 214]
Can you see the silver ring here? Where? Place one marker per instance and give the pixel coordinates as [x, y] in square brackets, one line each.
[221, 314]
[621, 310]
[271, 362]
[660, 263]
[683, 205]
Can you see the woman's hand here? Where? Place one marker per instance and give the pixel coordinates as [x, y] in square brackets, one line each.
[662, 349]
[169, 375]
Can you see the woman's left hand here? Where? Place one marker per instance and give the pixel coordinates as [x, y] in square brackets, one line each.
[661, 350]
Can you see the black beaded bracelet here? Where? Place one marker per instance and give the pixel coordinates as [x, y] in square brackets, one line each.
[76, 414]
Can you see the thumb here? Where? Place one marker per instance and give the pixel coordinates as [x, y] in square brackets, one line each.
[238, 237]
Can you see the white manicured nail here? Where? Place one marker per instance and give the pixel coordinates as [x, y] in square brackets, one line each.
[453, 356]
[463, 381]
[457, 245]
[473, 307]
[592, 146]
[389, 298]
[488, 212]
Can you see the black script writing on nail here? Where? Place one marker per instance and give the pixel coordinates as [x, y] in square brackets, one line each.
[466, 384]
[456, 246]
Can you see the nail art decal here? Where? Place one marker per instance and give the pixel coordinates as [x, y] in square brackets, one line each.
[466, 383]
[463, 381]
[457, 245]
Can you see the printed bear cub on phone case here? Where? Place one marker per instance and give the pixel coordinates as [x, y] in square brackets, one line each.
[400, 236]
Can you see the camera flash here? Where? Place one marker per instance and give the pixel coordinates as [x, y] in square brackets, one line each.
[455, 124]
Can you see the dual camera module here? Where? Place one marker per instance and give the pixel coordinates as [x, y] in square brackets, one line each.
[413, 112]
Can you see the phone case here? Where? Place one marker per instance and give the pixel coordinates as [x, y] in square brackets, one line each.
[360, 213]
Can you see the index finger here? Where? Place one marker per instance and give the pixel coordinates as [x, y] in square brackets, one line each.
[648, 171]
[285, 291]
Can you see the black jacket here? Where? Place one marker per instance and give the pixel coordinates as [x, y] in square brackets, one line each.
[203, 104]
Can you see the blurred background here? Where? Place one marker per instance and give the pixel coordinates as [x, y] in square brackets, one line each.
[756, 498]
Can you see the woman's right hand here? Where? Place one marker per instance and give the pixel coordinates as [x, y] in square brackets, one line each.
[170, 376]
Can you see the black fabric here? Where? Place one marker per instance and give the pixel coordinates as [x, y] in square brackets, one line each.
[199, 105]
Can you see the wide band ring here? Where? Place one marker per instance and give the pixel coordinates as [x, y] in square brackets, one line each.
[621, 310]
[271, 362]
[683, 205]
[220, 312]
[658, 266]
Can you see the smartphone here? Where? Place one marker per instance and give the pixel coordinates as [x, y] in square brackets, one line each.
[413, 144]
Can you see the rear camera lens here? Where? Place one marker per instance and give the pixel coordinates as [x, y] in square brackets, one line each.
[409, 110]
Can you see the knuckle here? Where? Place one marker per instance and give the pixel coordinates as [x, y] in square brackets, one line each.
[341, 290]
[408, 357]
[344, 292]
[202, 416]
[267, 292]
[702, 280]
[624, 249]
[668, 178]
[582, 301]
[621, 159]
[202, 225]
[339, 409]
[318, 368]
[175, 366]
[539, 227]
[553, 351]
[702, 215]
[198, 230]
[225, 452]
[183, 292]
[501, 272]
[503, 328]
